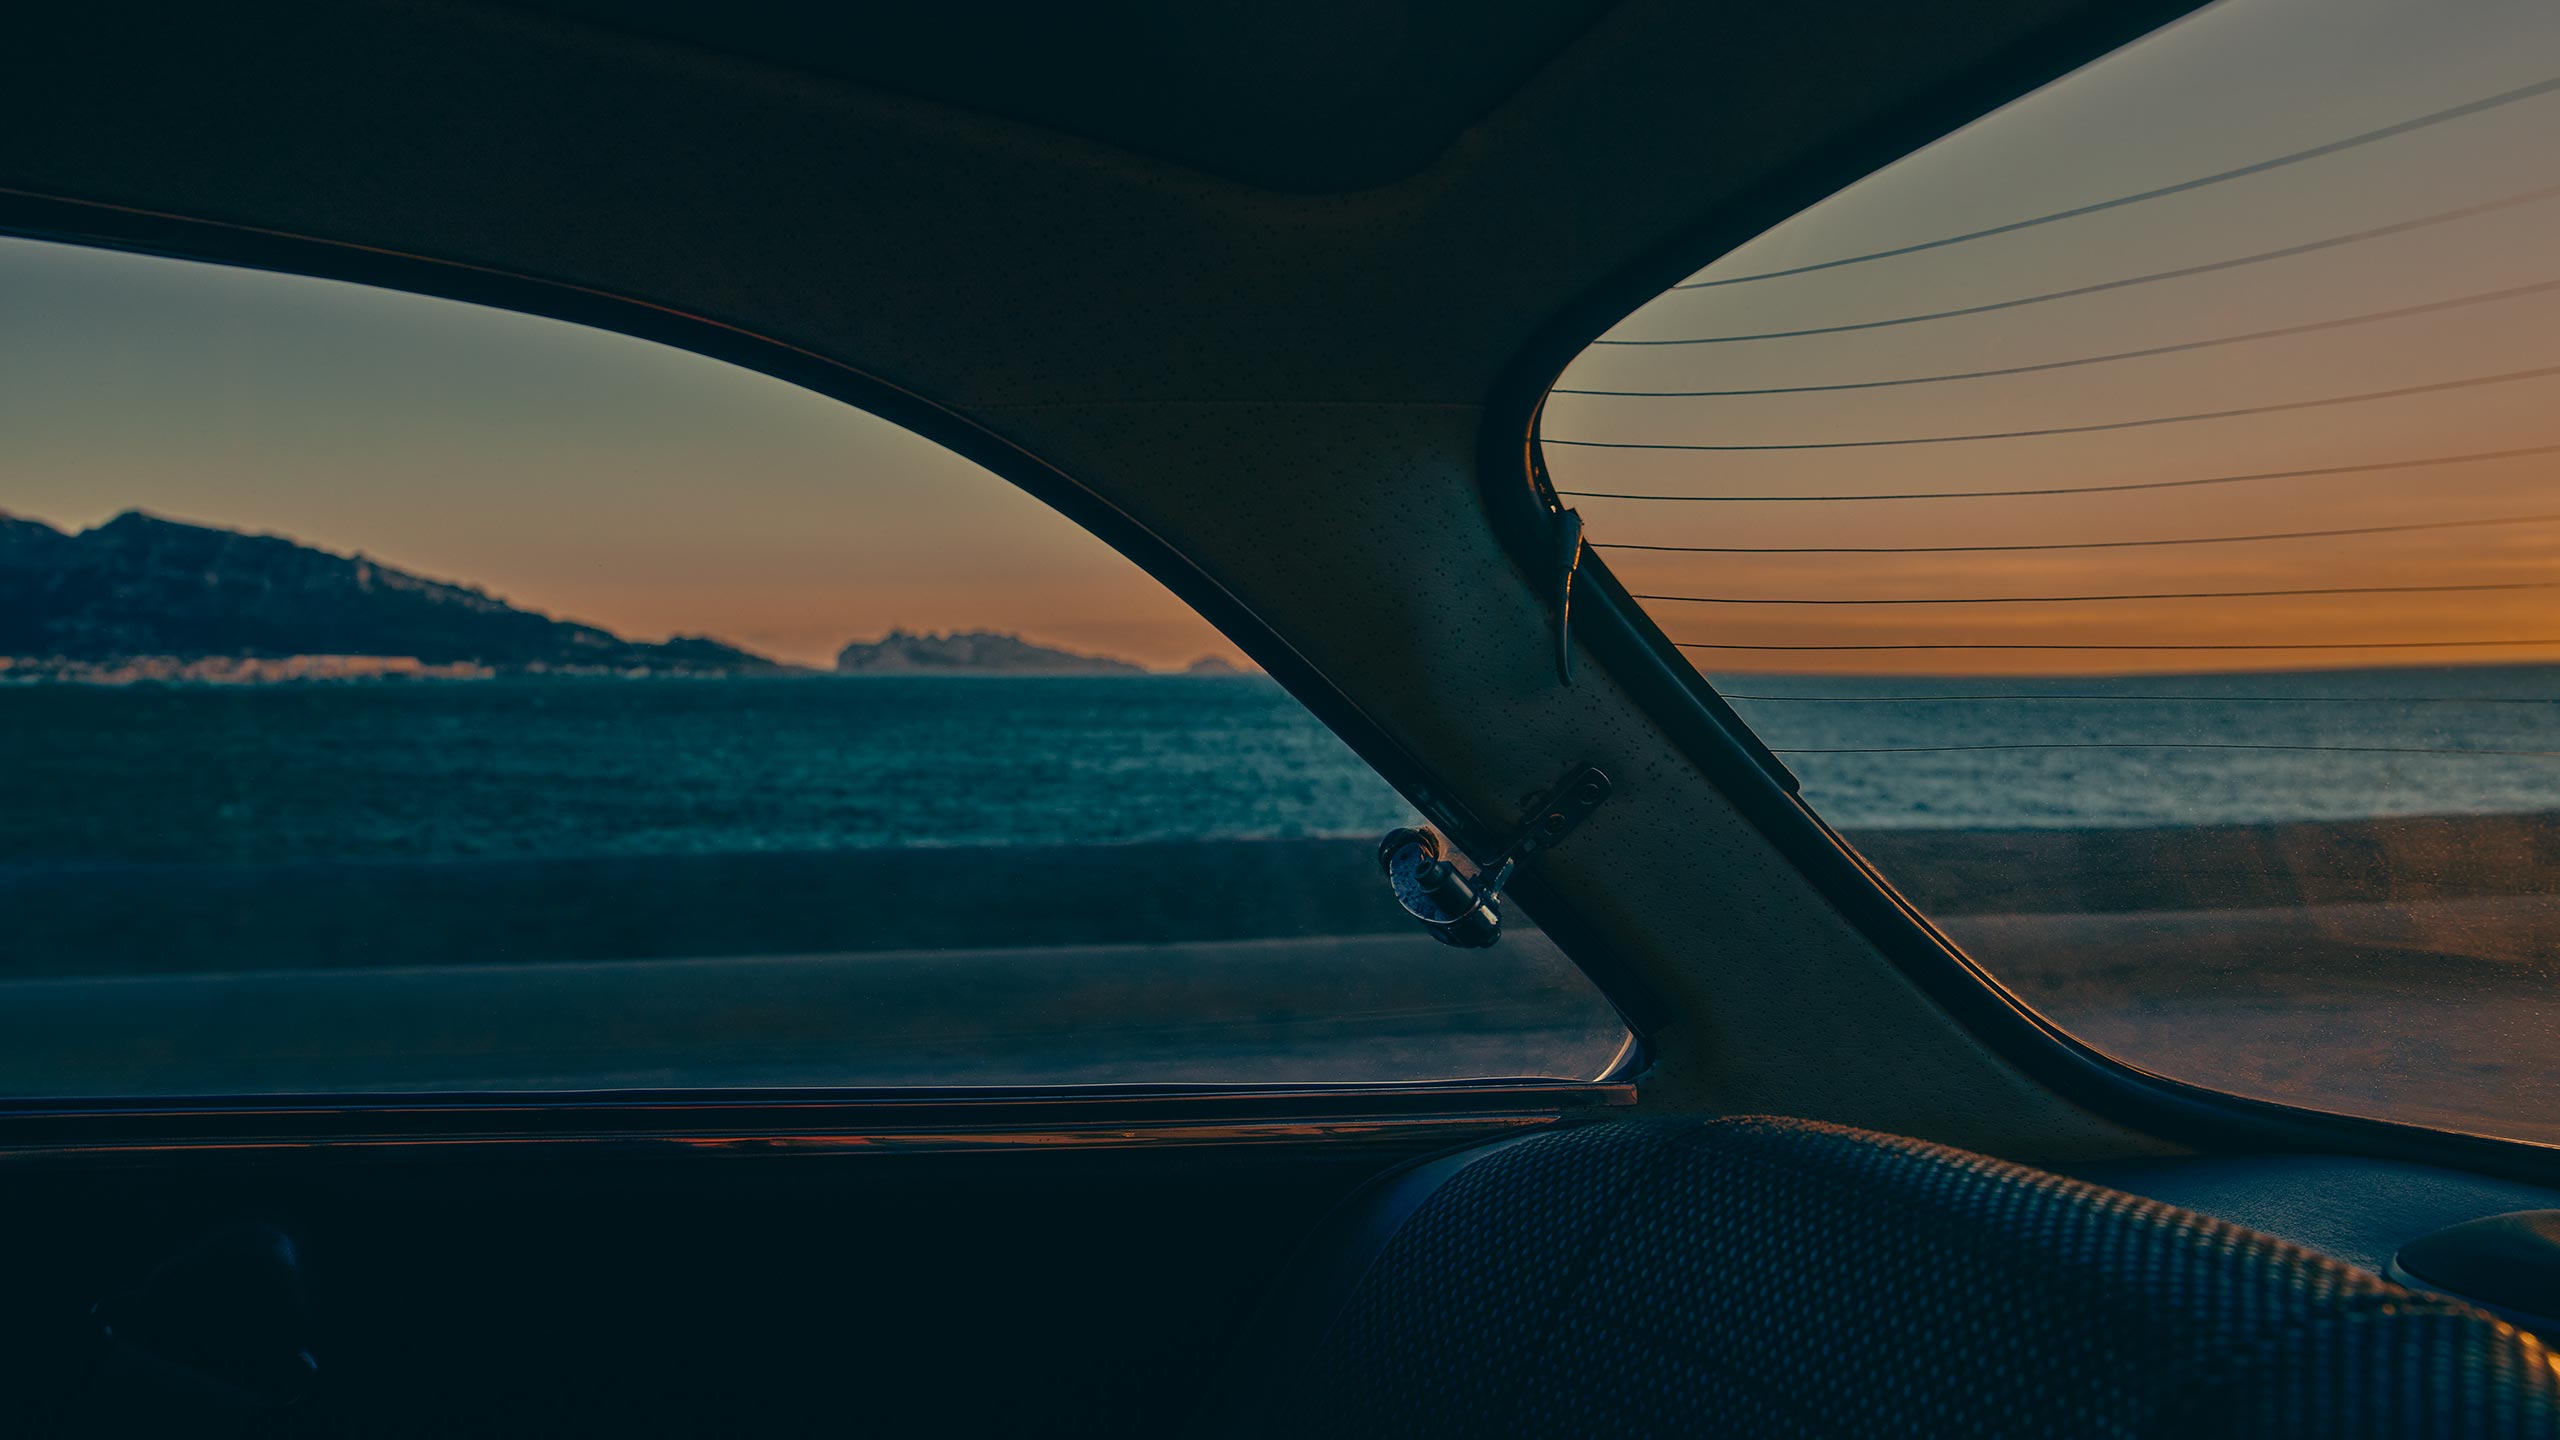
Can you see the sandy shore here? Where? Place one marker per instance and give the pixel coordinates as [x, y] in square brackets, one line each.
[2439, 1012]
[2407, 968]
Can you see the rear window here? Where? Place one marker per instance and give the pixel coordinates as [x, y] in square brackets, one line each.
[2134, 520]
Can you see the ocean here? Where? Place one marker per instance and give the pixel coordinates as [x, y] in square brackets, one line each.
[2081, 753]
[532, 768]
[539, 768]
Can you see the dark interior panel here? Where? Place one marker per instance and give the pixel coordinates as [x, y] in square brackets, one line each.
[647, 1293]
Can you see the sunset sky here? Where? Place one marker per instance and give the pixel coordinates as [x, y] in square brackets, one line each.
[2239, 83]
[585, 474]
[612, 481]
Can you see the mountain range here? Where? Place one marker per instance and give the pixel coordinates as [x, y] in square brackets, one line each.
[980, 652]
[146, 597]
[142, 586]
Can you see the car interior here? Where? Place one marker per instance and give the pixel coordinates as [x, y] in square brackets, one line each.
[1276, 302]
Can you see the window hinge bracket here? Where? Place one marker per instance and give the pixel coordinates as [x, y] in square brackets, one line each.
[1568, 564]
[1466, 910]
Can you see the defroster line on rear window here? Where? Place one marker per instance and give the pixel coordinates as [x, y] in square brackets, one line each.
[2308, 247]
[2470, 457]
[2077, 544]
[2259, 167]
[2370, 317]
[2198, 699]
[2162, 645]
[2077, 599]
[2157, 745]
[2468, 382]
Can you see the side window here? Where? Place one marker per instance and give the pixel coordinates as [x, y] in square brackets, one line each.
[2134, 519]
[402, 696]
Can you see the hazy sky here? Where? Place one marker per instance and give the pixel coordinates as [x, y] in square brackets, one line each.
[2242, 82]
[585, 474]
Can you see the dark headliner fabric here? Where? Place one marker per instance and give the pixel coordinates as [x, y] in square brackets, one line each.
[1777, 1277]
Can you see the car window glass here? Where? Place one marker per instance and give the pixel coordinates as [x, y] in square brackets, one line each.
[398, 695]
[2133, 517]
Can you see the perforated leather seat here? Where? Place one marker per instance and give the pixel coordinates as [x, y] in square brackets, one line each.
[1779, 1277]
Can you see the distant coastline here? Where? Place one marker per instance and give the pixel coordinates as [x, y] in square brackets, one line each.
[146, 600]
[232, 670]
[404, 669]
[333, 670]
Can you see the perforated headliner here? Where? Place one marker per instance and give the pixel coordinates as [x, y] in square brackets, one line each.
[1330, 95]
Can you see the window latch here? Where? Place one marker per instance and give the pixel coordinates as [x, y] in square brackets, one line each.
[1568, 563]
[1466, 910]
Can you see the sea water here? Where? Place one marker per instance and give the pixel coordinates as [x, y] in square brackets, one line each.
[516, 768]
[2004, 753]
[508, 768]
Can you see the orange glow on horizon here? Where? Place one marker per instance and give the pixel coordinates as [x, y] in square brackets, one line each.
[588, 476]
[2358, 341]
